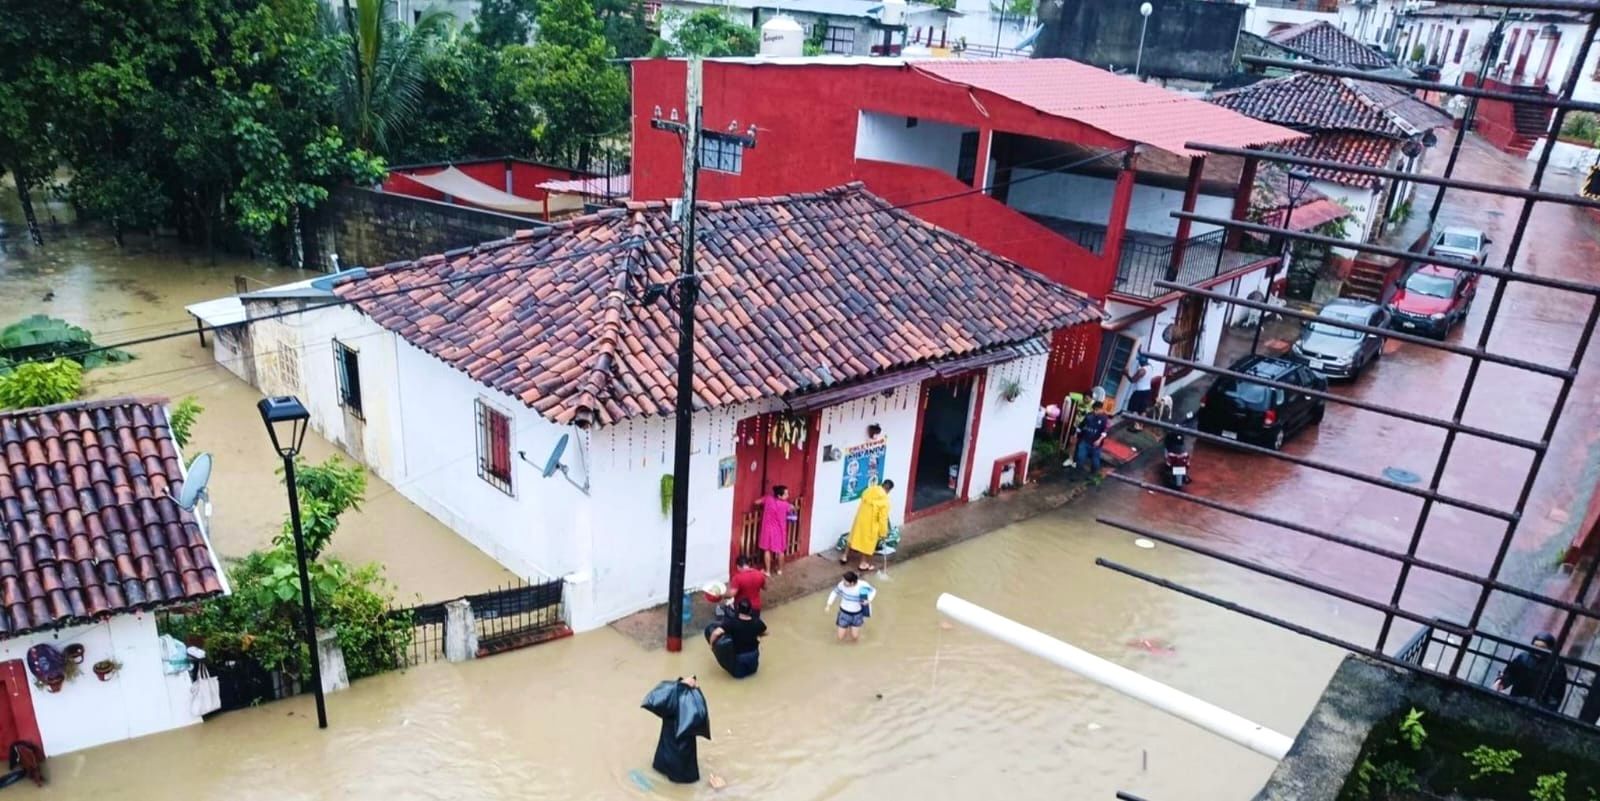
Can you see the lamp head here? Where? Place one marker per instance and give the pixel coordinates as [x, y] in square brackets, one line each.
[1145, 9]
[286, 419]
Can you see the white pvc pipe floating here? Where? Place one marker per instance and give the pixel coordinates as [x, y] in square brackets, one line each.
[1210, 717]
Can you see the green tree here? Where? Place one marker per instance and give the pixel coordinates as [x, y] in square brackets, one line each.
[31, 384]
[568, 76]
[626, 29]
[468, 108]
[382, 75]
[708, 33]
[505, 22]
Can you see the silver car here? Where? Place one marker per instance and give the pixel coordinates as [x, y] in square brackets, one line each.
[1461, 244]
[1340, 352]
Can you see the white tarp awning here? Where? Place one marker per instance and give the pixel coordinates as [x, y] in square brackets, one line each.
[462, 186]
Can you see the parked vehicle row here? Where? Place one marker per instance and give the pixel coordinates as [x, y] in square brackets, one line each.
[1429, 300]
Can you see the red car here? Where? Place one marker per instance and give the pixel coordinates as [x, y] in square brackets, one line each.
[1431, 299]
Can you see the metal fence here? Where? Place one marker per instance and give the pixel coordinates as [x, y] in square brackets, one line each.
[1485, 656]
[1146, 259]
[512, 616]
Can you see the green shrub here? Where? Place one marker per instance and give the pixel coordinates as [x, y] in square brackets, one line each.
[32, 384]
[1488, 762]
[1581, 125]
[326, 491]
[1550, 787]
[1411, 731]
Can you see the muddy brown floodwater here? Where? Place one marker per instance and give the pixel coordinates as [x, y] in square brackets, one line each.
[915, 711]
[140, 290]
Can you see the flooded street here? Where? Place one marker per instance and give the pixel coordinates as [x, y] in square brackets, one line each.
[915, 711]
[139, 291]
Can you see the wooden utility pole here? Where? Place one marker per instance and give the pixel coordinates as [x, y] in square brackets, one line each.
[687, 289]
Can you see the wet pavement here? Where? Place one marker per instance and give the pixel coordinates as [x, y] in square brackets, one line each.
[1533, 323]
[140, 290]
[916, 710]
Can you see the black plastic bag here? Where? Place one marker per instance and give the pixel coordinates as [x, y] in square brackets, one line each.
[684, 717]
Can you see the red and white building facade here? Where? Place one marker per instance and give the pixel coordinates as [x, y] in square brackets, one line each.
[1063, 168]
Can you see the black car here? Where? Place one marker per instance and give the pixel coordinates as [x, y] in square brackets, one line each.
[1259, 414]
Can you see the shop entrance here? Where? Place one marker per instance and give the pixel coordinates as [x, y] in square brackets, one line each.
[943, 437]
[772, 450]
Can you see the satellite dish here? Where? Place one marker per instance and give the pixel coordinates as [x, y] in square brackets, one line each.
[553, 464]
[194, 487]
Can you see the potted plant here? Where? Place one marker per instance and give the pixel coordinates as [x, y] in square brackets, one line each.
[105, 667]
[1011, 390]
[73, 653]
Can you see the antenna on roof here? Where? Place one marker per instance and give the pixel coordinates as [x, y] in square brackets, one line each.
[194, 486]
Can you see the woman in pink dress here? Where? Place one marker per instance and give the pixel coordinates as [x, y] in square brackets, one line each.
[774, 540]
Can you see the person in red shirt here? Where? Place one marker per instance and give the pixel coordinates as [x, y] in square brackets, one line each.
[746, 583]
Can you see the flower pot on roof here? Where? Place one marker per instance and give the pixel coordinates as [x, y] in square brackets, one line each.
[105, 668]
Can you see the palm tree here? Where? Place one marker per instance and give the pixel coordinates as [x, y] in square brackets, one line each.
[382, 76]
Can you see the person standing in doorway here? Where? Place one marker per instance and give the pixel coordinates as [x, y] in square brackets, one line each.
[1536, 675]
[855, 606]
[746, 584]
[1143, 379]
[1091, 437]
[774, 538]
[871, 525]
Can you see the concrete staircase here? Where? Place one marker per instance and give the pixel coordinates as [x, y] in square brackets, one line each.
[1531, 121]
[1366, 282]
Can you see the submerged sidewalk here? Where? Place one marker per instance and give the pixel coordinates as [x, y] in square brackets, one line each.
[818, 572]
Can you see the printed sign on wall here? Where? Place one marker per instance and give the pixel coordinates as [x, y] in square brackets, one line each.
[863, 467]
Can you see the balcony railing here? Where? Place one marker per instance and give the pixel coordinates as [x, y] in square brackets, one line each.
[1323, 6]
[1147, 258]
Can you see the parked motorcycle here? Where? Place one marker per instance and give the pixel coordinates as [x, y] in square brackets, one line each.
[1176, 446]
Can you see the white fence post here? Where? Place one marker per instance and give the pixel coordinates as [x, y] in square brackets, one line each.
[460, 631]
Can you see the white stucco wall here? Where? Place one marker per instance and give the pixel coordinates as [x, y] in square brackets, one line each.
[139, 699]
[1088, 199]
[1261, 20]
[1007, 426]
[933, 144]
[1363, 206]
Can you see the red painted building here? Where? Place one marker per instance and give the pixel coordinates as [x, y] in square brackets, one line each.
[1064, 168]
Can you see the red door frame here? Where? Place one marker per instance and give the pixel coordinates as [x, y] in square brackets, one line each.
[980, 380]
[807, 485]
[19, 698]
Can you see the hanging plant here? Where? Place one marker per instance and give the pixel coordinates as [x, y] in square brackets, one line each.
[104, 669]
[787, 432]
[1011, 389]
[73, 653]
[666, 495]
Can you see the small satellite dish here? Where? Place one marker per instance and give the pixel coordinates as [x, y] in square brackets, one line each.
[553, 464]
[194, 487]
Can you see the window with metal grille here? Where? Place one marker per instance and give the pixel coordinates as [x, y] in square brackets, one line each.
[494, 447]
[840, 39]
[721, 153]
[347, 371]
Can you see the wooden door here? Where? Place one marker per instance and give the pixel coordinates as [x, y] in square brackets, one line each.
[1183, 338]
[765, 458]
[16, 708]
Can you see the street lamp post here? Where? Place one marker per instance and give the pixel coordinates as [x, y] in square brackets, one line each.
[1138, 60]
[1296, 184]
[286, 418]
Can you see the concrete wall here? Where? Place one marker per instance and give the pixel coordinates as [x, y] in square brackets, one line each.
[1189, 39]
[1217, 318]
[139, 699]
[1364, 206]
[1572, 158]
[1007, 426]
[1262, 20]
[932, 144]
[366, 228]
[1088, 199]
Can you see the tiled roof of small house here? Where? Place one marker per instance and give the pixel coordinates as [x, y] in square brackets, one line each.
[1347, 148]
[1322, 41]
[90, 526]
[800, 292]
[1315, 102]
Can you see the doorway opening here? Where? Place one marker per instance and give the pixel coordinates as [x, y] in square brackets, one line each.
[772, 450]
[942, 441]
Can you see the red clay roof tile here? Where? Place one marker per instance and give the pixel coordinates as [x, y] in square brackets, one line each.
[882, 288]
[87, 528]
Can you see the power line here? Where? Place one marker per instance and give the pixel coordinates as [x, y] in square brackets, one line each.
[628, 244]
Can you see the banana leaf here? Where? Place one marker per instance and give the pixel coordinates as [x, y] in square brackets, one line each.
[40, 338]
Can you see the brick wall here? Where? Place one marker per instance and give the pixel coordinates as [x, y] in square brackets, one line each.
[367, 228]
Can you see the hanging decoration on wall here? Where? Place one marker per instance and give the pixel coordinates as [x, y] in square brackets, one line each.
[788, 431]
[863, 467]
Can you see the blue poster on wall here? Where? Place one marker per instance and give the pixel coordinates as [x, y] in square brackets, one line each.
[863, 467]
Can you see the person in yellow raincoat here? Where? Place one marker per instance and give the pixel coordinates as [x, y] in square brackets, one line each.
[871, 525]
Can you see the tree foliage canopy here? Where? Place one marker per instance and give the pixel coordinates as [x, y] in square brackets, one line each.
[708, 33]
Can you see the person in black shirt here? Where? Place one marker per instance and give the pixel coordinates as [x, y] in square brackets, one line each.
[1535, 675]
[1091, 436]
[736, 641]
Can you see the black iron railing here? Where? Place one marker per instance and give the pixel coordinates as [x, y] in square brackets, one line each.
[505, 618]
[1146, 258]
[1483, 657]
